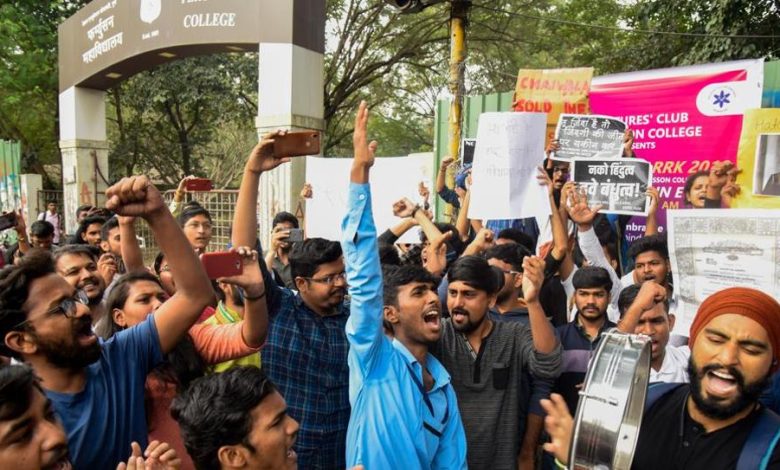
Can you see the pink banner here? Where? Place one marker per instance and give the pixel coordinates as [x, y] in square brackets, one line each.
[684, 119]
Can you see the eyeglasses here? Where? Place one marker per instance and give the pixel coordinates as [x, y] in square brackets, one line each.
[561, 169]
[196, 225]
[329, 280]
[68, 307]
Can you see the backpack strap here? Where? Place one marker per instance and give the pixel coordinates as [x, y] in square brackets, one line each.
[761, 442]
[659, 389]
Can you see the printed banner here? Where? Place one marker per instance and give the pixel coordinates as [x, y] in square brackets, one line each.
[759, 160]
[618, 185]
[589, 137]
[684, 119]
[510, 147]
[712, 249]
[553, 91]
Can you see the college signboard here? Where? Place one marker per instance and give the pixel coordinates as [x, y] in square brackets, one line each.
[109, 40]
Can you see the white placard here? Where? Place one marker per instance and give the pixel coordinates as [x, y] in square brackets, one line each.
[713, 249]
[510, 147]
[391, 179]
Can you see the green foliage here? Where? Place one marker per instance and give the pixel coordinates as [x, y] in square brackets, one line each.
[197, 115]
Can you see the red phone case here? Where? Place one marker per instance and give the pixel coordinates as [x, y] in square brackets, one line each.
[199, 184]
[221, 264]
[297, 144]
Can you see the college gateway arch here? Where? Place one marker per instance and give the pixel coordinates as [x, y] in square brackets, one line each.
[108, 41]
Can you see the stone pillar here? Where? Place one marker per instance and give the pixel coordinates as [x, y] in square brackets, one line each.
[290, 97]
[30, 185]
[84, 150]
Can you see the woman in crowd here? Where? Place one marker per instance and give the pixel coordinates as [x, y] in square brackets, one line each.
[139, 293]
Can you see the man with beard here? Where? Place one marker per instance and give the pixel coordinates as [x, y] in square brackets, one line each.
[488, 360]
[306, 351]
[580, 337]
[404, 410]
[278, 257]
[716, 422]
[82, 269]
[96, 386]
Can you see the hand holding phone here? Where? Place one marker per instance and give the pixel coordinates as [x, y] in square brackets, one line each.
[297, 144]
[295, 235]
[199, 184]
[222, 264]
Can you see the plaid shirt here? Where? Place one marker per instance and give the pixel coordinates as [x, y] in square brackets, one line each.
[306, 358]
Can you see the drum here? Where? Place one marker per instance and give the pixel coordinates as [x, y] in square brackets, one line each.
[611, 403]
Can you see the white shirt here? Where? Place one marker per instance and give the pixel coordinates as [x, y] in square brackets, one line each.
[674, 369]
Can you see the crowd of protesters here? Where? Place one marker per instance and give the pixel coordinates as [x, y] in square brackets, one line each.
[466, 350]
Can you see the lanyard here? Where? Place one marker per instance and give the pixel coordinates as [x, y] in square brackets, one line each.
[428, 403]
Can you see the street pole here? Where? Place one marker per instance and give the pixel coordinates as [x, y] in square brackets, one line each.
[459, 12]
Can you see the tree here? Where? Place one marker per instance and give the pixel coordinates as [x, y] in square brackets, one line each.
[28, 85]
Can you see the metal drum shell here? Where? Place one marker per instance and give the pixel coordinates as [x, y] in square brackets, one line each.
[611, 403]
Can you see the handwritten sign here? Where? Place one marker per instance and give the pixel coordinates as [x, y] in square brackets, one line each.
[619, 185]
[510, 147]
[589, 137]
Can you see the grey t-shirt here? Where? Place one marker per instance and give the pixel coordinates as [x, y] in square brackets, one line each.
[489, 385]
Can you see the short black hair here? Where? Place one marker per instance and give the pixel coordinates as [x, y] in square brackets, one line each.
[86, 250]
[110, 224]
[628, 295]
[190, 210]
[394, 277]
[510, 253]
[282, 217]
[477, 273]
[84, 225]
[517, 236]
[216, 411]
[388, 255]
[17, 382]
[307, 256]
[15, 281]
[42, 229]
[592, 277]
[655, 243]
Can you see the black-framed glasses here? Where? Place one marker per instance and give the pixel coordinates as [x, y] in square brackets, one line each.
[329, 280]
[561, 169]
[68, 307]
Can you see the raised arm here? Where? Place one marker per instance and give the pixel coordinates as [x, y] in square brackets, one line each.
[131, 252]
[559, 235]
[651, 224]
[441, 177]
[260, 160]
[254, 326]
[137, 197]
[542, 331]
[649, 294]
[361, 253]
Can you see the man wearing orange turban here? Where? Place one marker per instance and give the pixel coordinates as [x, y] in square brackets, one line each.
[716, 422]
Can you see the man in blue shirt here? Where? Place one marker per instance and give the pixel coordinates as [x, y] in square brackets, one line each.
[306, 352]
[404, 410]
[97, 387]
